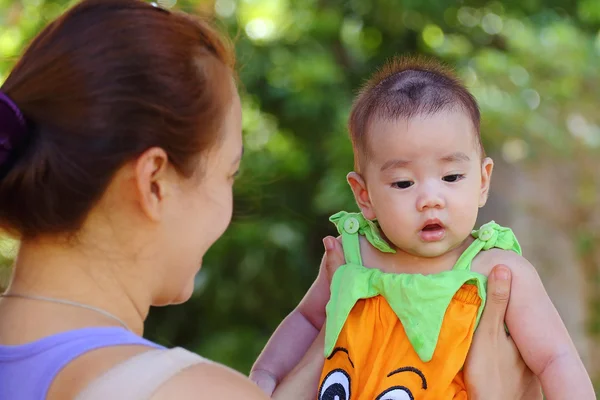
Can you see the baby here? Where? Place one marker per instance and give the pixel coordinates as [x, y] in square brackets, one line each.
[403, 309]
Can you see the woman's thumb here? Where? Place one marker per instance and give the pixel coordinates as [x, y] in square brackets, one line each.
[498, 294]
[499, 284]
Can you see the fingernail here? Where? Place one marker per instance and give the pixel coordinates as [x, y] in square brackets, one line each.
[327, 243]
[501, 273]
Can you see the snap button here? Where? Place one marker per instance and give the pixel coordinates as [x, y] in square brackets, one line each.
[351, 225]
[486, 232]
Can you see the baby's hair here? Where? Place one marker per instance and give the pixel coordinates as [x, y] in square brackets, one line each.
[407, 87]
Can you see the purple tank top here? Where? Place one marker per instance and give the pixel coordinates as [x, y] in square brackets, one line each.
[26, 371]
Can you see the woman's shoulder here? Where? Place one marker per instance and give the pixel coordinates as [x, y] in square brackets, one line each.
[208, 380]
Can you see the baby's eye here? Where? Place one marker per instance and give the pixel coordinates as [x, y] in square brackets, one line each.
[453, 178]
[402, 184]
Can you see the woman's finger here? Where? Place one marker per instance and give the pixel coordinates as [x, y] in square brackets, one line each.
[334, 255]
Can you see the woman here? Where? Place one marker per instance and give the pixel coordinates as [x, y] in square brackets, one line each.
[121, 137]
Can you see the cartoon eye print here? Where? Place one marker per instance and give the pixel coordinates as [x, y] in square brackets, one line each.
[336, 386]
[396, 393]
[402, 392]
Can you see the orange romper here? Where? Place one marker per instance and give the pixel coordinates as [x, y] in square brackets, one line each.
[401, 336]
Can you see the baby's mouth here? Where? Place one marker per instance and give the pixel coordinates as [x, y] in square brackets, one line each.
[432, 231]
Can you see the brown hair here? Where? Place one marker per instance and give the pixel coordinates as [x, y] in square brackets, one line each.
[402, 89]
[98, 86]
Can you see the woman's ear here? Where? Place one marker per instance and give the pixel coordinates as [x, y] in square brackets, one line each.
[151, 173]
[361, 194]
[487, 166]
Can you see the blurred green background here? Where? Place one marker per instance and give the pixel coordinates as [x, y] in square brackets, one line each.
[532, 64]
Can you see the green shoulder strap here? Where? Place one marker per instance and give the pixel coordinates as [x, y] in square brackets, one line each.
[490, 235]
[350, 226]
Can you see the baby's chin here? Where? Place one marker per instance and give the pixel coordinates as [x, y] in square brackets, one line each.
[429, 253]
[433, 250]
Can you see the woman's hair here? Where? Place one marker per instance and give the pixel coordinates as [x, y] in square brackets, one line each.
[97, 87]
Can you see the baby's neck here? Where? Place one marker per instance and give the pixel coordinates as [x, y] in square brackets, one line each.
[406, 263]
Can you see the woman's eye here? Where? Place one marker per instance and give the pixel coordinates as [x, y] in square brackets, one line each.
[336, 386]
[453, 178]
[403, 184]
[396, 393]
[234, 176]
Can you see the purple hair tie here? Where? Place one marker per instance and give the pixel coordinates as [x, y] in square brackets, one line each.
[13, 127]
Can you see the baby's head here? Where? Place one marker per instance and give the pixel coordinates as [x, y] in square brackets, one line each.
[421, 169]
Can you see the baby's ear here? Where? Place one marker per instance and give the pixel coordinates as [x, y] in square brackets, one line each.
[487, 166]
[361, 194]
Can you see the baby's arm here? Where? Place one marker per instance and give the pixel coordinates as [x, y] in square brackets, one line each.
[299, 329]
[541, 336]
[292, 338]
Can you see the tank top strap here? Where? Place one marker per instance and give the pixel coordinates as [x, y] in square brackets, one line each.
[141, 376]
[350, 226]
[488, 236]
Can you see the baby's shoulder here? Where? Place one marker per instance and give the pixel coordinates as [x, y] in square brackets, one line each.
[487, 259]
[374, 258]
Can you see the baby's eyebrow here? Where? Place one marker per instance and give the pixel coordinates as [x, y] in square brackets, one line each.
[411, 369]
[396, 163]
[456, 157]
[343, 350]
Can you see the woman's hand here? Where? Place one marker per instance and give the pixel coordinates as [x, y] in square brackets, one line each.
[494, 368]
[333, 257]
